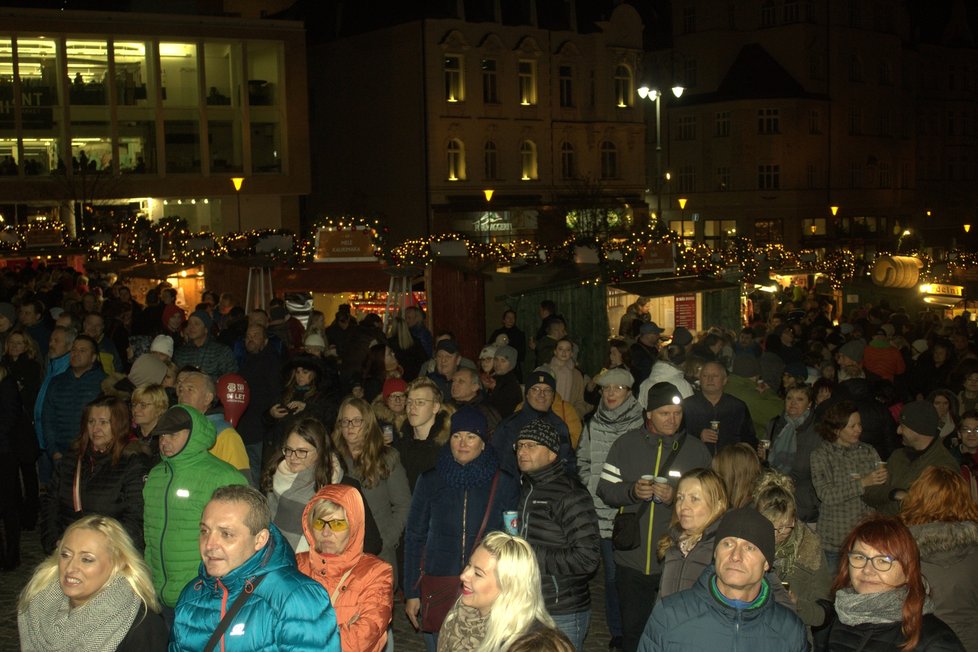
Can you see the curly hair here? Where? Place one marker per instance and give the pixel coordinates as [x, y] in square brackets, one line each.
[939, 494]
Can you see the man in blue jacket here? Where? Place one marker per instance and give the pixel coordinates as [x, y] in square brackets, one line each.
[62, 337]
[244, 556]
[68, 394]
[732, 606]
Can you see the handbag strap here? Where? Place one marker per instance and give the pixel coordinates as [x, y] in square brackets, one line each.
[76, 485]
[485, 517]
[676, 447]
[232, 612]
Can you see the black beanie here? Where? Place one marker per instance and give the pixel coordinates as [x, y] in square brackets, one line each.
[748, 524]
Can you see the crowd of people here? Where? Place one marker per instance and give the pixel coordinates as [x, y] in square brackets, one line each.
[805, 483]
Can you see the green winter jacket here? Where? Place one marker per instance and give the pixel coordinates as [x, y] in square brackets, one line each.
[174, 496]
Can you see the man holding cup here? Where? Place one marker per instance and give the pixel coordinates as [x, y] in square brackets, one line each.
[557, 518]
[661, 451]
[715, 417]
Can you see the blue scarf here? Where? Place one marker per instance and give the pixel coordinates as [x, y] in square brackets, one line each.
[477, 473]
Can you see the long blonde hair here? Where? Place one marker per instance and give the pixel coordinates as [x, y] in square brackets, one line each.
[126, 562]
[520, 600]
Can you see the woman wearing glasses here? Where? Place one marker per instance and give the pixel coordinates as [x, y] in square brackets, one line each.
[304, 464]
[454, 504]
[881, 602]
[360, 444]
[360, 586]
[943, 519]
[799, 561]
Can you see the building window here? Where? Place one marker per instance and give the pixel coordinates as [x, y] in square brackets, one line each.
[568, 161]
[814, 66]
[717, 233]
[178, 69]
[609, 160]
[769, 177]
[732, 15]
[769, 14]
[886, 73]
[855, 174]
[809, 11]
[886, 128]
[811, 176]
[814, 122]
[566, 80]
[790, 11]
[855, 120]
[623, 87]
[456, 160]
[528, 160]
[886, 180]
[689, 20]
[490, 159]
[855, 68]
[813, 226]
[723, 178]
[768, 231]
[686, 178]
[722, 124]
[686, 229]
[687, 127]
[490, 88]
[689, 72]
[769, 121]
[528, 83]
[453, 79]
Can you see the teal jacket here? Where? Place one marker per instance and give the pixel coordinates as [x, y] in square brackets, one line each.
[174, 496]
[287, 611]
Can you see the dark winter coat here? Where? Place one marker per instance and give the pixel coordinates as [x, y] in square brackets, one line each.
[262, 372]
[419, 455]
[507, 432]
[64, 401]
[949, 561]
[935, 636]
[807, 440]
[557, 518]
[106, 489]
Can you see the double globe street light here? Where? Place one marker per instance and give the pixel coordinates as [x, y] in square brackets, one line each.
[654, 95]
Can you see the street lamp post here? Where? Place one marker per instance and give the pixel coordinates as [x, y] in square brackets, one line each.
[655, 96]
[238, 182]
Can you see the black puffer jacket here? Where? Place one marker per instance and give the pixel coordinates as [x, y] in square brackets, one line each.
[557, 517]
[115, 491]
[935, 636]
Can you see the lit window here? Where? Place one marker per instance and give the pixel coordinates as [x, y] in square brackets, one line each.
[528, 83]
[623, 87]
[609, 160]
[453, 79]
[528, 160]
[456, 160]
[568, 161]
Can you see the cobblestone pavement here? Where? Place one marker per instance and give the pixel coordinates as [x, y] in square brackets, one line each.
[404, 636]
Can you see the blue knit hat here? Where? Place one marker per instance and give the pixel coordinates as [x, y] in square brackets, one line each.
[469, 419]
[203, 317]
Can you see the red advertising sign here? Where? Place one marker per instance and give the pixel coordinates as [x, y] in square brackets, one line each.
[685, 311]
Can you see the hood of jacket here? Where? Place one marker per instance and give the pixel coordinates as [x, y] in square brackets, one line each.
[275, 555]
[324, 565]
[201, 439]
[940, 537]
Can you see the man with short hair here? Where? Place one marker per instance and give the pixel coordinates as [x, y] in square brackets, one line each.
[447, 359]
[732, 605]
[245, 557]
[58, 359]
[661, 449]
[262, 370]
[558, 520]
[922, 447]
[467, 390]
[94, 326]
[711, 406]
[175, 493]
[197, 390]
[68, 394]
[414, 318]
[556, 330]
[31, 316]
[541, 391]
[203, 351]
[425, 430]
[645, 350]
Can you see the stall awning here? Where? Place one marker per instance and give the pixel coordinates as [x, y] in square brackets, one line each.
[667, 286]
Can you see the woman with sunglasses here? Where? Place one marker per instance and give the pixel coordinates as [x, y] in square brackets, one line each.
[360, 443]
[304, 464]
[881, 602]
[360, 586]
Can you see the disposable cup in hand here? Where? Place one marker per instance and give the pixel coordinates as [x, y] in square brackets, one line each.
[715, 425]
[660, 480]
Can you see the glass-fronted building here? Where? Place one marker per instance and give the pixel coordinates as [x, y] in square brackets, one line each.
[154, 112]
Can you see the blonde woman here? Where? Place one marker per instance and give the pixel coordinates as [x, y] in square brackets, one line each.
[701, 499]
[93, 594]
[501, 598]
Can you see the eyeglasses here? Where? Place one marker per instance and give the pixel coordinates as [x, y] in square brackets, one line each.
[419, 402]
[614, 388]
[882, 563]
[543, 391]
[355, 422]
[968, 431]
[784, 528]
[334, 524]
[525, 445]
[297, 453]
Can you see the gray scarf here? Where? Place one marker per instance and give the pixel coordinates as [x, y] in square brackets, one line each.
[49, 624]
[785, 444]
[873, 608]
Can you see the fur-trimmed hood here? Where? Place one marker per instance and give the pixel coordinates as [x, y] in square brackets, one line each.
[941, 537]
